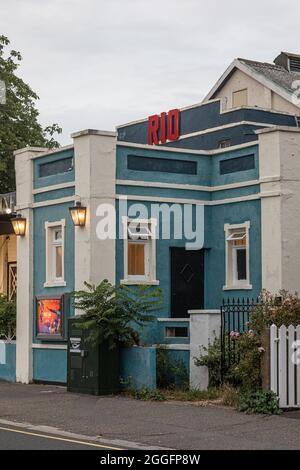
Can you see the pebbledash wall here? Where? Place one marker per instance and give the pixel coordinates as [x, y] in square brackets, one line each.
[100, 173]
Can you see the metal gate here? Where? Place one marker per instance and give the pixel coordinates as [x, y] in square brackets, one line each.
[235, 316]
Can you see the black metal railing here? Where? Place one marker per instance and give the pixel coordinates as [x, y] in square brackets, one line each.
[235, 317]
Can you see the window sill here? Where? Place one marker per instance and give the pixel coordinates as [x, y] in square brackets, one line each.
[131, 282]
[241, 287]
[55, 284]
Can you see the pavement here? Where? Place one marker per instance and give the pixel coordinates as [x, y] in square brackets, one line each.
[34, 415]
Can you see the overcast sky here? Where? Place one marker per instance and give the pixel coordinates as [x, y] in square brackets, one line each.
[100, 63]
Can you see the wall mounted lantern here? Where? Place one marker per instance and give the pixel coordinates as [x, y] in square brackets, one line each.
[19, 225]
[78, 214]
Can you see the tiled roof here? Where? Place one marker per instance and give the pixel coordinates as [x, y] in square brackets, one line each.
[277, 74]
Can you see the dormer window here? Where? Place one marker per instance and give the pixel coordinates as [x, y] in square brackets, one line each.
[289, 61]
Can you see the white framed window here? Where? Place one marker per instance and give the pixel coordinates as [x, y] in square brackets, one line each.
[237, 256]
[55, 248]
[139, 251]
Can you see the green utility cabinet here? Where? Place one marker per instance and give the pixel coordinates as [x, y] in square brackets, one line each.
[92, 368]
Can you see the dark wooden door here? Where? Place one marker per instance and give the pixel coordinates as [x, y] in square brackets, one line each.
[187, 281]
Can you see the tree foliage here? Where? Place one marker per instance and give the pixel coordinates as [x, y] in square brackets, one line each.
[8, 313]
[19, 126]
[116, 314]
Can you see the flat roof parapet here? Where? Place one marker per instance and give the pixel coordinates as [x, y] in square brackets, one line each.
[93, 132]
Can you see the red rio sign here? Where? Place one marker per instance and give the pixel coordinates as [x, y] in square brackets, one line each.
[164, 127]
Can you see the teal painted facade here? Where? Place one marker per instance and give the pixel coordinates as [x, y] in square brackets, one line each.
[54, 194]
[8, 362]
[138, 368]
[60, 178]
[51, 364]
[50, 359]
[215, 217]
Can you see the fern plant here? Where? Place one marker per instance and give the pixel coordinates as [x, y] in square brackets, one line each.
[116, 314]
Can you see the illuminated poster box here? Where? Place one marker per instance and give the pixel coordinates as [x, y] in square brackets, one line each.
[50, 318]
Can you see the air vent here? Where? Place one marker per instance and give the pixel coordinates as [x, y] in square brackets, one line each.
[295, 64]
[289, 61]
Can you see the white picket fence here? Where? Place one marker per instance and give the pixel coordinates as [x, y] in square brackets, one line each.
[285, 365]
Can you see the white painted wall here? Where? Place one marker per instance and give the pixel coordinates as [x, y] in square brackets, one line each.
[280, 104]
[269, 167]
[279, 150]
[290, 209]
[95, 173]
[205, 326]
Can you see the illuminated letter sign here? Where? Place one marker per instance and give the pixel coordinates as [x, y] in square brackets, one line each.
[164, 127]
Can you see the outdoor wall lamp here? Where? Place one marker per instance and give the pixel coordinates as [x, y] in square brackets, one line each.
[78, 214]
[19, 225]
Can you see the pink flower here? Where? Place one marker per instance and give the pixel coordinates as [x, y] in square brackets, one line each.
[287, 303]
[261, 350]
[234, 335]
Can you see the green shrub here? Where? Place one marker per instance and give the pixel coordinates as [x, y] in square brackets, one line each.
[8, 314]
[259, 401]
[280, 309]
[193, 395]
[244, 371]
[116, 314]
[171, 373]
[211, 357]
[189, 395]
[230, 396]
[145, 394]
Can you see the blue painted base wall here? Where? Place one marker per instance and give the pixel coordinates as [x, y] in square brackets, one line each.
[8, 357]
[138, 368]
[50, 365]
[137, 365]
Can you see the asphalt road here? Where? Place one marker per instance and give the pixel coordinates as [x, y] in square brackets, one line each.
[12, 438]
[124, 423]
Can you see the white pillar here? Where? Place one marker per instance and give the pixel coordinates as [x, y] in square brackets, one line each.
[271, 223]
[24, 179]
[95, 178]
[205, 326]
[279, 152]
